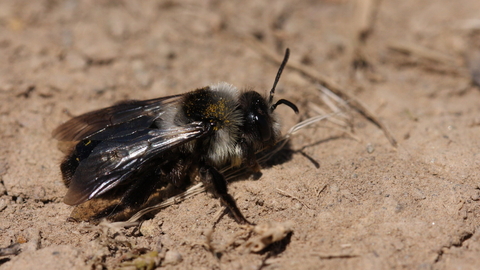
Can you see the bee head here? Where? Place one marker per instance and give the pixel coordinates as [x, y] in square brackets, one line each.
[258, 111]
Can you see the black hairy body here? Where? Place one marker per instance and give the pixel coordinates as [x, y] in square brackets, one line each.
[137, 147]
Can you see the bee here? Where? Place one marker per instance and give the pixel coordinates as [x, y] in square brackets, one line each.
[136, 147]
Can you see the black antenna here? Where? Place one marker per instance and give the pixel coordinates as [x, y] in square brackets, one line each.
[286, 102]
[279, 73]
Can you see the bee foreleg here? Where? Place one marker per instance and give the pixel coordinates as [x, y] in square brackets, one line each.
[215, 182]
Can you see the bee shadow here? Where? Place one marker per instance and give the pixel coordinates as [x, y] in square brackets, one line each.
[279, 247]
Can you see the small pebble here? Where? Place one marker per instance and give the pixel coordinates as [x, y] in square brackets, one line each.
[149, 228]
[3, 204]
[370, 148]
[298, 206]
[172, 257]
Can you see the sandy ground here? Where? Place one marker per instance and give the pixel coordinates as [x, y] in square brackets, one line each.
[367, 205]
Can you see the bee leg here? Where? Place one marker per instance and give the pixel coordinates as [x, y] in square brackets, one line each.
[216, 183]
[253, 165]
[250, 159]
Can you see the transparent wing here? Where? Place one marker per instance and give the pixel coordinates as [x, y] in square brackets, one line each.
[124, 117]
[113, 161]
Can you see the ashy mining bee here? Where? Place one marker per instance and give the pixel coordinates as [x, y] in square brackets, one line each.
[138, 147]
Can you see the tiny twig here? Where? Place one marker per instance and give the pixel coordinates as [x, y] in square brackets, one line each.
[363, 22]
[431, 58]
[284, 193]
[321, 190]
[422, 52]
[366, 14]
[339, 122]
[335, 256]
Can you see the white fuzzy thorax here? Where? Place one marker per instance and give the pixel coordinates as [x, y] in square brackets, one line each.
[222, 146]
